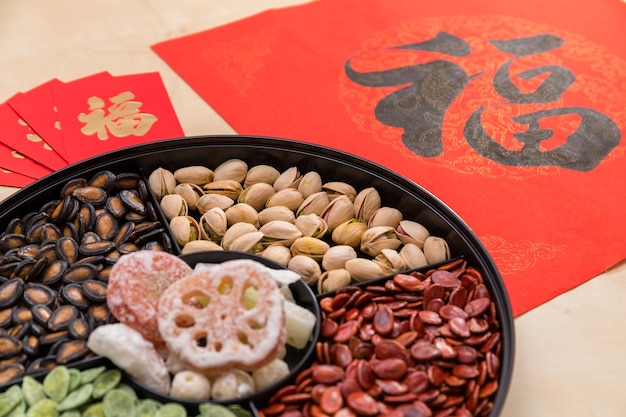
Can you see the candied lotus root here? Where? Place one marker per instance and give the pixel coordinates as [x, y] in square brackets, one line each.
[136, 283]
[207, 320]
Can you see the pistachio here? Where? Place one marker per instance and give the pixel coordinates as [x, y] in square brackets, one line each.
[242, 212]
[256, 195]
[288, 197]
[349, 233]
[191, 193]
[409, 231]
[333, 280]
[184, 229]
[228, 188]
[235, 231]
[335, 189]
[276, 213]
[310, 183]
[213, 224]
[200, 246]
[311, 225]
[161, 182]
[337, 256]
[378, 238]
[338, 211]
[248, 242]
[436, 249]
[313, 204]
[208, 201]
[232, 169]
[280, 232]
[366, 202]
[309, 246]
[290, 178]
[277, 253]
[413, 256]
[308, 269]
[391, 258]
[362, 269]
[385, 216]
[173, 205]
[194, 175]
[261, 173]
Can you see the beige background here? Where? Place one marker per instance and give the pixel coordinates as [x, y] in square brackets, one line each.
[570, 352]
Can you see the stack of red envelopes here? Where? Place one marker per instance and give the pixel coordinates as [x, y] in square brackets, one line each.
[59, 123]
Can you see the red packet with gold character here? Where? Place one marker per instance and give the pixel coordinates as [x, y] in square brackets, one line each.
[102, 113]
[36, 106]
[17, 134]
[13, 161]
[511, 112]
[9, 178]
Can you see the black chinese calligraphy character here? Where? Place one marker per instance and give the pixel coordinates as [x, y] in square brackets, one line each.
[429, 89]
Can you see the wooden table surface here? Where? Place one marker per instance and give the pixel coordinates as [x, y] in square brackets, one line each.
[570, 357]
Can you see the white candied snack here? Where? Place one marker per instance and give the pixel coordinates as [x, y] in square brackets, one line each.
[299, 323]
[128, 350]
[190, 385]
[270, 374]
[231, 384]
[283, 277]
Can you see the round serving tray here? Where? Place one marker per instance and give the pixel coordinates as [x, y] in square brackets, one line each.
[415, 202]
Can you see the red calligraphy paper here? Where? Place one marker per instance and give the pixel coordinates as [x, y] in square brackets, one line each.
[17, 134]
[102, 113]
[511, 112]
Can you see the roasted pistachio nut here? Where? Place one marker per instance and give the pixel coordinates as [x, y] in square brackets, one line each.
[366, 202]
[311, 225]
[338, 211]
[161, 182]
[200, 246]
[280, 232]
[337, 256]
[277, 253]
[308, 269]
[385, 216]
[256, 195]
[409, 231]
[310, 246]
[249, 242]
[191, 193]
[288, 197]
[335, 189]
[195, 174]
[413, 256]
[173, 205]
[362, 269]
[333, 280]
[235, 231]
[289, 178]
[349, 233]
[391, 258]
[227, 188]
[374, 240]
[269, 214]
[208, 201]
[315, 203]
[261, 173]
[436, 249]
[242, 213]
[213, 224]
[232, 169]
[310, 183]
[184, 229]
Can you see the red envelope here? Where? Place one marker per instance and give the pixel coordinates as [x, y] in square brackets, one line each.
[13, 179]
[12, 160]
[38, 109]
[511, 112]
[17, 134]
[100, 114]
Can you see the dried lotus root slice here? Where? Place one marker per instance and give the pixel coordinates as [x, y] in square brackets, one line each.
[207, 321]
[135, 285]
